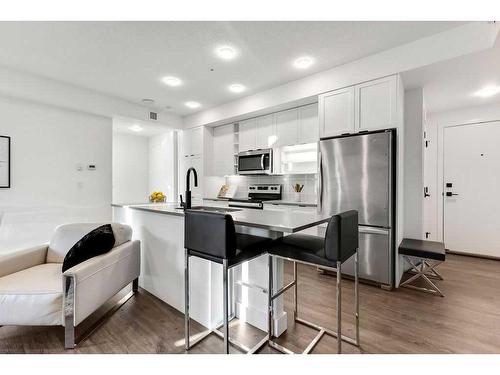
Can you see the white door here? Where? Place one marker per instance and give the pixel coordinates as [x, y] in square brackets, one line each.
[471, 185]
[336, 112]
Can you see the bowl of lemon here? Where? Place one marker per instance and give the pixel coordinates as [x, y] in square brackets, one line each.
[157, 197]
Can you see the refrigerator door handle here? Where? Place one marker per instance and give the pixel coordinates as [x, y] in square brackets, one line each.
[372, 230]
[320, 183]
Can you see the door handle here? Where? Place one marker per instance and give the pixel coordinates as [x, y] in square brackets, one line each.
[449, 194]
[320, 185]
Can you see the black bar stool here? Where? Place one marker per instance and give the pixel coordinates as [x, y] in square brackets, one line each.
[212, 236]
[340, 243]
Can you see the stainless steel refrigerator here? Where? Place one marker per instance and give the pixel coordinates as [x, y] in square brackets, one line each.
[357, 172]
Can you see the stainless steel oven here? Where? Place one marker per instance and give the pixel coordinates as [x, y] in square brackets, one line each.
[255, 162]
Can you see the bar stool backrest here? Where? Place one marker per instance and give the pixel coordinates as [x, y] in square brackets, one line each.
[210, 233]
[341, 239]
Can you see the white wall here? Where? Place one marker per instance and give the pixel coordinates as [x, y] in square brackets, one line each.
[413, 163]
[130, 168]
[47, 190]
[163, 164]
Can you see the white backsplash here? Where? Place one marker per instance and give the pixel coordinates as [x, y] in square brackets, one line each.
[308, 194]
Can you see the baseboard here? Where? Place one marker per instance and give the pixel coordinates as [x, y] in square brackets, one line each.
[471, 255]
[258, 318]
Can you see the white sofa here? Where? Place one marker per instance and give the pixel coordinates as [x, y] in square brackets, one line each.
[34, 291]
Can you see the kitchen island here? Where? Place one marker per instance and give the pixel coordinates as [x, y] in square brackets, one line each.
[160, 228]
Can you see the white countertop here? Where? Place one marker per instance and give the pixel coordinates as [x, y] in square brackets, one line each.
[278, 221]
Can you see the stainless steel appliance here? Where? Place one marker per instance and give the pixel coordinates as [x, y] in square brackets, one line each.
[357, 172]
[257, 194]
[255, 162]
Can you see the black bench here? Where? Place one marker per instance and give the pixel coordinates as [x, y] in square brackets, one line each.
[423, 257]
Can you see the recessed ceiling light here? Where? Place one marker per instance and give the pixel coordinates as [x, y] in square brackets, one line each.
[171, 81]
[237, 88]
[487, 91]
[192, 105]
[148, 101]
[225, 52]
[136, 128]
[303, 62]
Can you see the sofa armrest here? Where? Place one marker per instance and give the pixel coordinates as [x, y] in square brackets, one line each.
[98, 279]
[21, 260]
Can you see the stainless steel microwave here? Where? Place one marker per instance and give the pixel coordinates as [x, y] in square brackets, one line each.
[255, 162]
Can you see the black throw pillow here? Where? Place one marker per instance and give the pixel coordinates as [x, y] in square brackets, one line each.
[98, 242]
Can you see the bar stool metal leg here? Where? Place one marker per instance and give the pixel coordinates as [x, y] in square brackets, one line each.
[186, 299]
[356, 294]
[225, 296]
[339, 307]
[295, 290]
[270, 297]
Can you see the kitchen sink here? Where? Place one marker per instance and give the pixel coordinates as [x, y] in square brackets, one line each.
[222, 210]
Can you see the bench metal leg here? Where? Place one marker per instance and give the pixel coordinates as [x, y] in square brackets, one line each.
[424, 270]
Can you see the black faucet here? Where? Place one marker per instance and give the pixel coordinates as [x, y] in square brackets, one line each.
[187, 205]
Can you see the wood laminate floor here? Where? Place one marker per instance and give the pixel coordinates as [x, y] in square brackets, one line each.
[467, 320]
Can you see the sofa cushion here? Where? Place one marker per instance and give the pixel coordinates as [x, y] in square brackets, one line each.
[67, 235]
[32, 296]
[97, 242]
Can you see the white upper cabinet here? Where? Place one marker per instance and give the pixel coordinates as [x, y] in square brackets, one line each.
[265, 132]
[376, 104]
[308, 124]
[371, 105]
[247, 135]
[223, 145]
[192, 141]
[336, 112]
[287, 127]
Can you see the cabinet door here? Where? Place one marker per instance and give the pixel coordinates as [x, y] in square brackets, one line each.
[223, 141]
[308, 124]
[336, 112]
[265, 134]
[196, 137]
[247, 135]
[376, 103]
[287, 127]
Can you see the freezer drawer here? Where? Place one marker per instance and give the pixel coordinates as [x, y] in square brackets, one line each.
[375, 256]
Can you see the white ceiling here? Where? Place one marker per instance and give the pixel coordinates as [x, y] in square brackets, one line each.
[451, 84]
[124, 125]
[127, 59]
